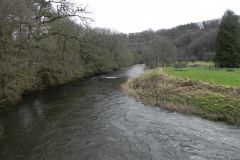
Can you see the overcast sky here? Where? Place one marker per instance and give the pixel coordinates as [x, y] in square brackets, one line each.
[138, 15]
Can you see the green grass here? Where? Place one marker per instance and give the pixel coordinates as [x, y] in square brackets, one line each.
[212, 76]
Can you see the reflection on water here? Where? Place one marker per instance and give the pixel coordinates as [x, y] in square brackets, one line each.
[94, 119]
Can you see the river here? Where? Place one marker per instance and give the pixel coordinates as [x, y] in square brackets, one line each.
[94, 120]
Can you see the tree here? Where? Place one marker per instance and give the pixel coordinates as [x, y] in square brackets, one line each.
[203, 47]
[41, 45]
[164, 51]
[238, 40]
[194, 41]
[227, 54]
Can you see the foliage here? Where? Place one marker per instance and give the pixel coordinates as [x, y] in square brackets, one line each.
[163, 50]
[48, 77]
[180, 65]
[193, 41]
[4, 77]
[41, 46]
[227, 53]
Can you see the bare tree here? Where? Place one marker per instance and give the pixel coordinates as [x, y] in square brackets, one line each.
[164, 51]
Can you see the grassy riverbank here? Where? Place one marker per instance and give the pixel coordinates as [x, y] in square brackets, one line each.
[175, 91]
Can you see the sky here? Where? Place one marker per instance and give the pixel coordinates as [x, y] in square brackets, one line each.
[129, 16]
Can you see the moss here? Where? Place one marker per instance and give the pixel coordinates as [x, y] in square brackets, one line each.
[217, 103]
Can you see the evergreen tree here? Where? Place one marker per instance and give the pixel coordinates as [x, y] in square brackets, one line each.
[227, 53]
[238, 40]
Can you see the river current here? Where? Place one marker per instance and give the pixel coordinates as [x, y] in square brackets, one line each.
[94, 120]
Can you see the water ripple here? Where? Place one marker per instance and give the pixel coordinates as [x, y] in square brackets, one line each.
[93, 119]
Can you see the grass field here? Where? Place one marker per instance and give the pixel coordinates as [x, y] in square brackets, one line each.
[213, 76]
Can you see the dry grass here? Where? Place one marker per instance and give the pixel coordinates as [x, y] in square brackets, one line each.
[186, 96]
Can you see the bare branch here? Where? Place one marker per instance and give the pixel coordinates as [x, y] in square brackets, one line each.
[67, 9]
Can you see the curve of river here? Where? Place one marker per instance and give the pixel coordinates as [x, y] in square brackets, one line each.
[95, 120]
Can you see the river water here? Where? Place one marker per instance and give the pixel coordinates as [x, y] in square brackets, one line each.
[94, 120]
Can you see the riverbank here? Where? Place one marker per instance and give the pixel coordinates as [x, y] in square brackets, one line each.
[213, 102]
[16, 89]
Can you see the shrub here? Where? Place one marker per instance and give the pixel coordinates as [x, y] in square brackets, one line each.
[4, 76]
[48, 76]
[180, 65]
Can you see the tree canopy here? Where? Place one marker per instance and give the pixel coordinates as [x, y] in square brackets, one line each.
[41, 45]
[227, 42]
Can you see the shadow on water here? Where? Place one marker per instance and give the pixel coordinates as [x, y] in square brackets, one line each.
[93, 119]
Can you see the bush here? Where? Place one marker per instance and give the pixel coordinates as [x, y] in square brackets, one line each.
[230, 69]
[4, 76]
[48, 76]
[180, 66]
